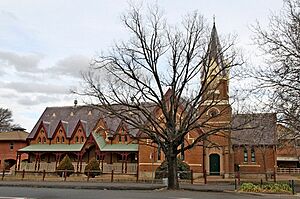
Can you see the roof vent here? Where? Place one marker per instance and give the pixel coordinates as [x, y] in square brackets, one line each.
[75, 102]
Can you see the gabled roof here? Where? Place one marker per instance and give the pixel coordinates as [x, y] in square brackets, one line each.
[113, 147]
[254, 129]
[69, 116]
[13, 136]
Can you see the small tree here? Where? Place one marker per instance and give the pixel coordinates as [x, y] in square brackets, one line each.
[182, 168]
[92, 169]
[65, 164]
[5, 119]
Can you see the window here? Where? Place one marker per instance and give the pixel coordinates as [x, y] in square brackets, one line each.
[245, 155]
[76, 139]
[119, 158]
[182, 151]
[44, 140]
[39, 140]
[125, 138]
[11, 146]
[120, 138]
[62, 140]
[57, 140]
[82, 139]
[252, 154]
[158, 152]
[213, 112]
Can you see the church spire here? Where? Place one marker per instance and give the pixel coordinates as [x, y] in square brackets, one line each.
[215, 53]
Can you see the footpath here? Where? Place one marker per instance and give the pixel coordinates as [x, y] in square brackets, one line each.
[116, 186]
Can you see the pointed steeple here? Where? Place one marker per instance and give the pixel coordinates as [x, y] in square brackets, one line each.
[214, 52]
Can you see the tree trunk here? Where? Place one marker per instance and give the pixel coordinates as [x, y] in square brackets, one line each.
[172, 170]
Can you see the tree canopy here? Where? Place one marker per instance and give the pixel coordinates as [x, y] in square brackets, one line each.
[280, 79]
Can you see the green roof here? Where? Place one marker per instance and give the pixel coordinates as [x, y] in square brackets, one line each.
[113, 147]
[52, 148]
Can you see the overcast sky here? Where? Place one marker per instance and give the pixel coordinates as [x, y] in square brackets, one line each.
[44, 45]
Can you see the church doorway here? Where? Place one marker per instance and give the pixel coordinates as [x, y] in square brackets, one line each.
[214, 164]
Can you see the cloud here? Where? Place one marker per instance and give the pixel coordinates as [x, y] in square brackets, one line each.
[41, 99]
[71, 66]
[22, 63]
[31, 87]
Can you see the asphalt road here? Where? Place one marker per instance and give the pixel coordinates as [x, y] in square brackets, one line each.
[52, 193]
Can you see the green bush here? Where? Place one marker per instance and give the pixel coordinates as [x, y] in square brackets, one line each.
[182, 168]
[65, 164]
[250, 187]
[268, 187]
[92, 166]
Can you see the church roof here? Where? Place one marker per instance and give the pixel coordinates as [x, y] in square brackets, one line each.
[254, 129]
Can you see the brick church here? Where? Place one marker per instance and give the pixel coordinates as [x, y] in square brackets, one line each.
[84, 133]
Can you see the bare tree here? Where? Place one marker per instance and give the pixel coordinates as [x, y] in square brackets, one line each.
[280, 79]
[5, 119]
[164, 80]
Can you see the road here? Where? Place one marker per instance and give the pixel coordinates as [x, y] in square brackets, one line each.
[47, 193]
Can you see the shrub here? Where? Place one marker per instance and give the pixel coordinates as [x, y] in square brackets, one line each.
[65, 164]
[182, 168]
[269, 187]
[92, 166]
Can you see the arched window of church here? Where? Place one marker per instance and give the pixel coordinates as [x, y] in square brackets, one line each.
[213, 112]
[76, 139]
[62, 140]
[82, 139]
[57, 140]
[252, 154]
[245, 154]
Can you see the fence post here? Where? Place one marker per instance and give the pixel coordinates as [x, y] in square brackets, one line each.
[261, 183]
[3, 173]
[235, 184]
[88, 175]
[65, 175]
[274, 176]
[44, 174]
[23, 174]
[192, 178]
[239, 177]
[293, 186]
[205, 177]
[112, 175]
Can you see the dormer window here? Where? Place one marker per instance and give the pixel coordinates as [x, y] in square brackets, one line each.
[120, 138]
[76, 139]
[57, 140]
[44, 140]
[62, 140]
[125, 138]
[82, 139]
[39, 140]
